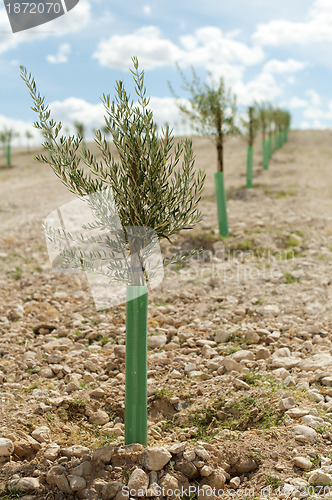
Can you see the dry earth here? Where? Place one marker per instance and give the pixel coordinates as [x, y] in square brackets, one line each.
[240, 356]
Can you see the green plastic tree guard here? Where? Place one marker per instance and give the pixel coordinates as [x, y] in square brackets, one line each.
[136, 429]
[266, 154]
[250, 158]
[270, 147]
[221, 203]
[8, 155]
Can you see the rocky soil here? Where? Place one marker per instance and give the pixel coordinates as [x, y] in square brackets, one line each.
[240, 346]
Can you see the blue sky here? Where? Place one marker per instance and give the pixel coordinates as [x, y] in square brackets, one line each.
[279, 52]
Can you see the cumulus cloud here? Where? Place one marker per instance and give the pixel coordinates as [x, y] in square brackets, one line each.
[207, 46]
[315, 98]
[73, 21]
[316, 28]
[297, 102]
[281, 67]
[61, 56]
[75, 109]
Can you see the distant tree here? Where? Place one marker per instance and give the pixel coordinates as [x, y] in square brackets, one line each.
[80, 131]
[6, 137]
[29, 136]
[212, 111]
[251, 125]
[263, 111]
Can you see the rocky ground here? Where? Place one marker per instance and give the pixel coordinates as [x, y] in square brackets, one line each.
[240, 351]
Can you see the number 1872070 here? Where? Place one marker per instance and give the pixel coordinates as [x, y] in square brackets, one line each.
[34, 8]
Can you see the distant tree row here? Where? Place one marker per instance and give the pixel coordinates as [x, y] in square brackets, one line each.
[212, 110]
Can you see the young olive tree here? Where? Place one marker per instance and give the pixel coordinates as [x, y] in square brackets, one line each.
[263, 111]
[154, 185]
[6, 137]
[212, 111]
[28, 136]
[251, 125]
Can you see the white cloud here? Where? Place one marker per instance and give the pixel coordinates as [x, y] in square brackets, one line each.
[71, 22]
[146, 43]
[262, 88]
[316, 28]
[296, 102]
[207, 46]
[314, 97]
[281, 67]
[61, 56]
[75, 109]
[147, 10]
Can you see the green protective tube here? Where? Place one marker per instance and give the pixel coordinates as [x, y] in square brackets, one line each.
[136, 429]
[250, 158]
[8, 155]
[221, 203]
[266, 154]
[276, 141]
[281, 142]
[270, 147]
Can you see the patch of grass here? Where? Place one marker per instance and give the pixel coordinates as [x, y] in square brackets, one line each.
[163, 394]
[290, 278]
[104, 340]
[292, 242]
[231, 350]
[250, 413]
[273, 481]
[11, 495]
[17, 274]
[252, 378]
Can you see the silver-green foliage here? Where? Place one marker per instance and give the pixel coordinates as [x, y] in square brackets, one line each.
[212, 109]
[154, 182]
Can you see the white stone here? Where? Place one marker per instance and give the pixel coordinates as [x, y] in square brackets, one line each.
[270, 310]
[286, 403]
[42, 434]
[52, 451]
[104, 454]
[24, 484]
[138, 483]
[154, 458]
[222, 336]
[320, 478]
[262, 353]
[76, 450]
[242, 354]
[235, 482]
[230, 365]
[305, 434]
[315, 396]
[155, 341]
[206, 471]
[302, 463]
[189, 455]
[76, 483]
[321, 361]
[6, 447]
[202, 453]
[99, 417]
[189, 367]
[312, 421]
